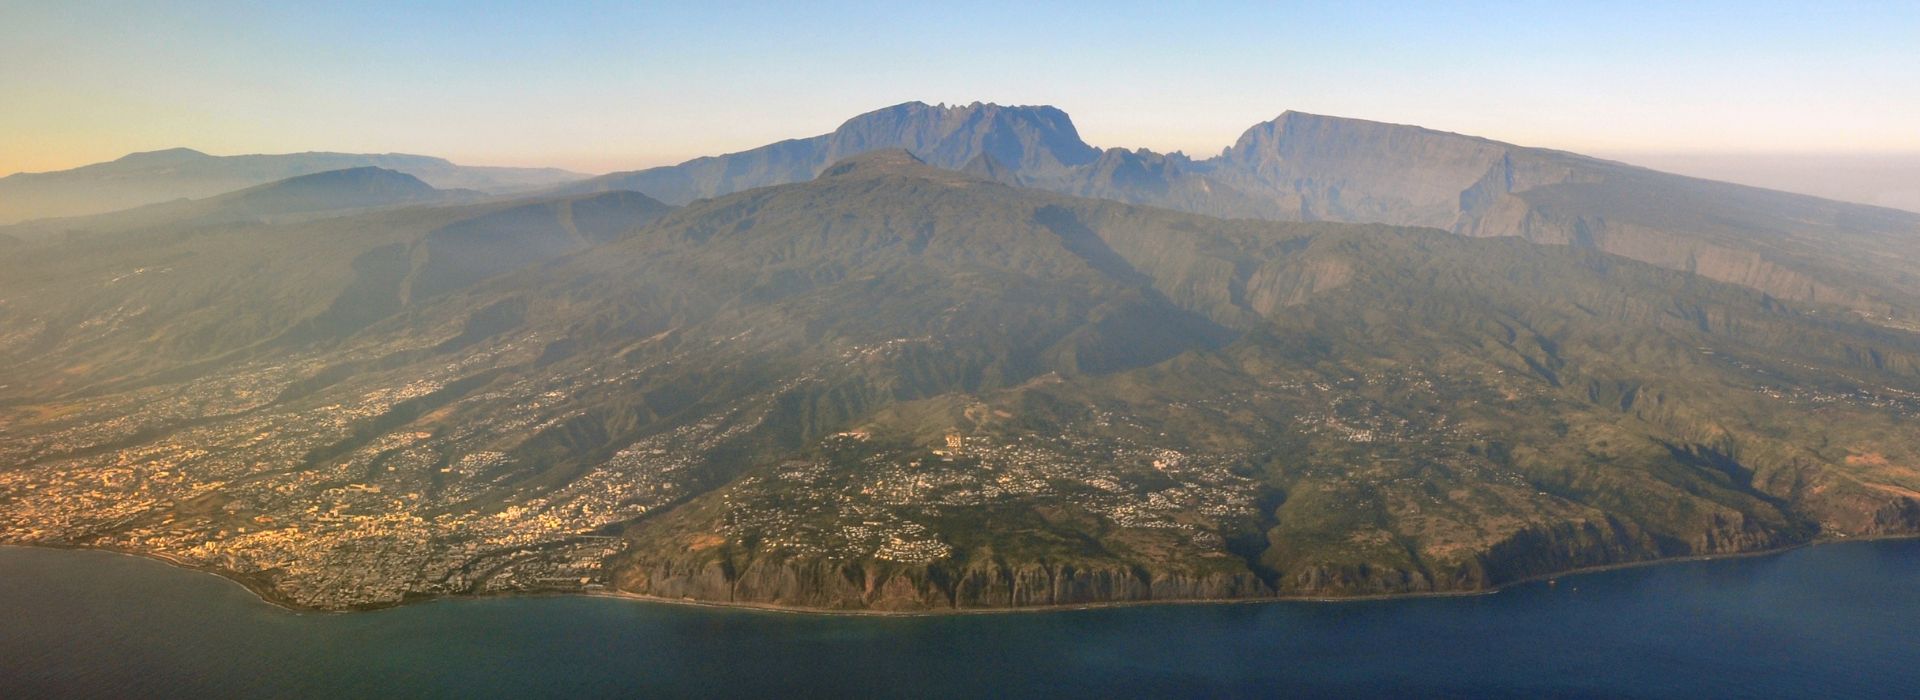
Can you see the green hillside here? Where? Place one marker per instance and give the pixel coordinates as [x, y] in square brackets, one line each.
[901, 387]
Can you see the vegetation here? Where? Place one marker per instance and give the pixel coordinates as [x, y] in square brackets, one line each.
[901, 387]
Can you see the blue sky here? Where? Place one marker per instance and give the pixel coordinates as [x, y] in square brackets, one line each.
[603, 86]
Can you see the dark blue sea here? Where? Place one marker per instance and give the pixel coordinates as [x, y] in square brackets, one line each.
[1839, 620]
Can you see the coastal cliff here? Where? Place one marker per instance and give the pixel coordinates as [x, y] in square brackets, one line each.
[886, 586]
[737, 577]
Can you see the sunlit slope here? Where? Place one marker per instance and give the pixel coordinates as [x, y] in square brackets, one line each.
[164, 292]
[307, 197]
[181, 173]
[1319, 168]
[897, 386]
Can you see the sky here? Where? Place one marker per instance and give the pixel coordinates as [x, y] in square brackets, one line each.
[598, 87]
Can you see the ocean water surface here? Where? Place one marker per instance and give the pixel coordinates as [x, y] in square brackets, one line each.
[1840, 620]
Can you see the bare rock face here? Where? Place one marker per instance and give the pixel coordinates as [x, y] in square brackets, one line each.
[1853, 511]
[902, 387]
[1306, 167]
[1353, 170]
[1032, 142]
[990, 583]
[872, 585]
[705, 580]
[1359, 171]
[1561, 547]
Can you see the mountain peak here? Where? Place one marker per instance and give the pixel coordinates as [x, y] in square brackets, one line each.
[366, 178]
[1037, 142]
[1028, 138]
[348, 188]
[888, 161]
[153, 177]
[1321, 127]
[161, 157]
[916, 108]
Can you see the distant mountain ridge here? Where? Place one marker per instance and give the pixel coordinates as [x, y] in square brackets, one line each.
[926, 379]
[246, 271]
[351, 188]
[902, 387]
[330, 192]
[1033, 141]
[183, 173]
[1306, 167]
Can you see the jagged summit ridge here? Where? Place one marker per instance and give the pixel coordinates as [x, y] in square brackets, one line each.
[1029, 138]
[1301, 166]
[1038, 142]
[875, 389]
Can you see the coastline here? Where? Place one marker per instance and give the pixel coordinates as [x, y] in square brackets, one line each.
[266, 594]
[255, 587]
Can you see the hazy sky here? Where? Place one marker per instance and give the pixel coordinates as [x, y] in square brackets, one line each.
[599, 87]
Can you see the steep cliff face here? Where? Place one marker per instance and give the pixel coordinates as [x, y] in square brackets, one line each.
[1172, 182]
[907, 388]
[1770, 257]
[1037, 143]
[1845, 507]
[1539, 551]
[994, 582]
[1360, 171]
[1305, 167]
[1354, 170]
[1432, 415]
[873, 585]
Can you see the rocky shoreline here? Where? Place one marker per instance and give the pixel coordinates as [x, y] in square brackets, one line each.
[266, 594]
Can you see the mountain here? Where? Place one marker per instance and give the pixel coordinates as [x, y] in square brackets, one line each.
[1791, 246]
[352, 188]
[191, 294]
[1317, 168]
[161, 176]
[328, 193]
[901, 387]
[1880, 179]
[1034, 141]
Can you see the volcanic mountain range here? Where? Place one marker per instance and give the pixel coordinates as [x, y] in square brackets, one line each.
[954, 357]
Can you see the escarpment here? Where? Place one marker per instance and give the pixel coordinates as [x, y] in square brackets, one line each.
[995, 583]
[885, 586]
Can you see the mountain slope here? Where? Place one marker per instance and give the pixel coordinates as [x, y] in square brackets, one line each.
[333, 192]
[352, 188]
[1788, 245]
[1308, 167]
[160, 176]
[121, 309]
[901, 387]
[1037, 141]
